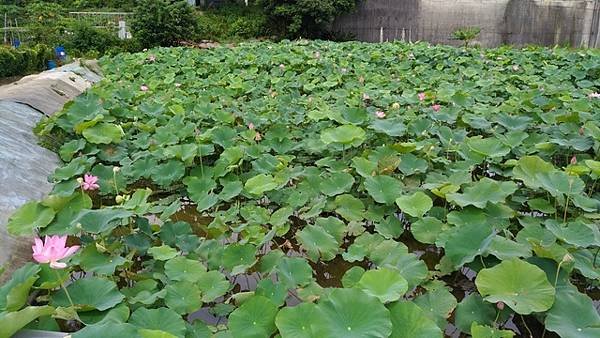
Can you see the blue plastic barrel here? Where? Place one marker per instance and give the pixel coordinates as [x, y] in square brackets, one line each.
[51, 64]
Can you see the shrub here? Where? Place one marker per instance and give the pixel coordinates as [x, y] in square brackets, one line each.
[24, 60]
[232, 22]
[304, 18]
[84, 38]
[163, 22]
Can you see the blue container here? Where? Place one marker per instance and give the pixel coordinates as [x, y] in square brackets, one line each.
[61, 53]
[51, 64]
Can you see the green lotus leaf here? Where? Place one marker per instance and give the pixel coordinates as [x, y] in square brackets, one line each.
[390, 227]
[336, 184]
[118, 314]
[584, 262]
[487, 147]
[505, 249]
[384, 189]
[385, 284]
[349, 207]
[391, 127]
[294, 271]
[213, 285]
[147, 333]
[230, 190]
[239, 257]
[416, 204]
[184, 269]
[409, 321]
[29, 216]
[69, 150]
[161, 319]
[558, 183]
[352, 313]
[163, 252]
[12, 322]
[93, 261]
[345, 134]
[520, 285]
[411, 164]
[473, 309]
[352, 276]
[260, 184]
[297, 321]
[541, 205]
[437, 304]
[529, 167]
[166, 173]
[481, 331]
[364, 167]
[480, 193]
[427, 229]
[183, 297]
[90, 293]
[100, 220]
[576, 233]
[573, 314]
[14, 293]
[254, 318]
[466, 243]
[317, 242]
[276, 292]
[104, 133]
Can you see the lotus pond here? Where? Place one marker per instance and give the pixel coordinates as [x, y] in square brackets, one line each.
[318, 189]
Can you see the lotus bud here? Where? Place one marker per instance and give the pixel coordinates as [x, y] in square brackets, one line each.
[119, 199]
[116, 169]
[574, 160]
[500, 306]
[567, 258]
[396, 105]
[79, 180]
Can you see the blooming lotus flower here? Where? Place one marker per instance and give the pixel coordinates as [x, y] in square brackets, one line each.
[89, 182]
[282, 66]
[436, 107]
[52, 250]
[380, 114]
[594, 95]
[177, 84]
[421, 96]
[257, 136]
[151, 58]
[144, 88]
[251, 126]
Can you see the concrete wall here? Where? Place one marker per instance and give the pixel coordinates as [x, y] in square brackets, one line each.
[545, 22]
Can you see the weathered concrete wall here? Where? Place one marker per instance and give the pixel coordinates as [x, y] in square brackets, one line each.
[545, 22]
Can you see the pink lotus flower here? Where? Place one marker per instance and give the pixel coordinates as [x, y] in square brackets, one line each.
[144, 88]
[251, 126]
[52, 250]
[500, 306]
[594, 95]
[574, 160]
[90, 182]
[380, 114]
[436, 107]
[421, 96]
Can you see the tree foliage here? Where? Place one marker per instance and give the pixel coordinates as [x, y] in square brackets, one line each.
[163, 22]
[304, 18]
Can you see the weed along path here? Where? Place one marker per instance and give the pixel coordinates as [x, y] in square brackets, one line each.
[24, 164]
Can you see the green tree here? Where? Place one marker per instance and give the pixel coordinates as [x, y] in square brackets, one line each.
[163, 22]
[304, 18]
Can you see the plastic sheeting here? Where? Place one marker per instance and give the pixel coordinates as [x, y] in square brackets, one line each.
[25, 165]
